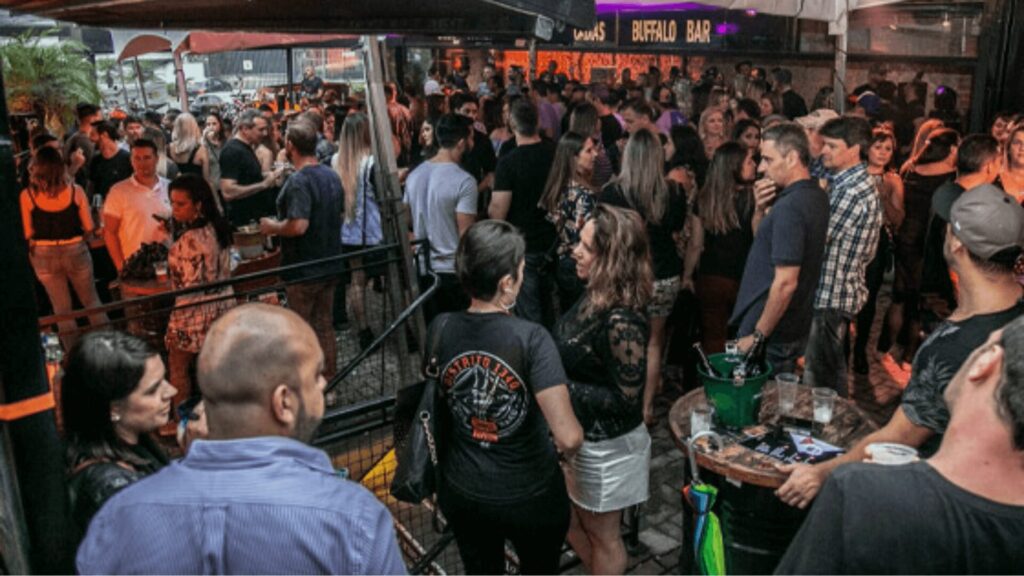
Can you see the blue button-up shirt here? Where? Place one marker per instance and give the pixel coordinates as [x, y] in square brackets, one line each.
[268, 505]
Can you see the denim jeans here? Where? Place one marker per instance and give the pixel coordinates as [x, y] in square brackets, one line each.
[783, 355]
[55, 266]
[535, 302]
[825, 358]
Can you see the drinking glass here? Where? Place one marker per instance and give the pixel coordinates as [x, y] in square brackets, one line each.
[787, 383]
[823, 400]
[700, 419]
[161, 271]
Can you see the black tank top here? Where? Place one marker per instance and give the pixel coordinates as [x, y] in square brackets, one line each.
[60, 225]
[187, 167]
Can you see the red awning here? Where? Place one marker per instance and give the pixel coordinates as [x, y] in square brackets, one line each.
[200, 42]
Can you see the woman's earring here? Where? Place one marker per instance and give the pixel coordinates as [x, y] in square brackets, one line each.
[115, 417]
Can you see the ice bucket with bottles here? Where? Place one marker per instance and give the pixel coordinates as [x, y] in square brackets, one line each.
[736, 401]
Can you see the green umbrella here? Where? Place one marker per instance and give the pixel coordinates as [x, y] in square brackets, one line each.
[708, 550]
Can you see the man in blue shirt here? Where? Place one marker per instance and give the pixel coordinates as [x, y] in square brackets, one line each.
[790, 223]
[253, 497]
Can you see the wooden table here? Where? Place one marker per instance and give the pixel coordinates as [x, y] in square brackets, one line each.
[739, 463]
[757, 527]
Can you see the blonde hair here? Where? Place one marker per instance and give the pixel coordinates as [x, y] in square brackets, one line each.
[641, 179]
[186, 134]
[621, 275]
[353, 146]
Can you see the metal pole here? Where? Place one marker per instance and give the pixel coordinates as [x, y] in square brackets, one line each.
[179, 75]
[36, 448]
[531, 71]
[390, 194]
[840, 74]
[291, 77]
[142, 85]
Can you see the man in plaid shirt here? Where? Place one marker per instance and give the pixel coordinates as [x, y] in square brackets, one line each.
[855, 219]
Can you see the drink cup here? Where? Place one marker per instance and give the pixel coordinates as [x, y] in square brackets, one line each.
[823, 402]
[161, 271]
[890, 454]
[786, 384]
[701, 419]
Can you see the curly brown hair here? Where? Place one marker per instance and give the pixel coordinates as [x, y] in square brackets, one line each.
[621, 276]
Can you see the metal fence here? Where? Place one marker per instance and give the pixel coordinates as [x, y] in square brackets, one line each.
[357, 428]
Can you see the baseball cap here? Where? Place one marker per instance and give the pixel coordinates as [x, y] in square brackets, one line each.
[817, 119]
[870, 102]
[988, 221]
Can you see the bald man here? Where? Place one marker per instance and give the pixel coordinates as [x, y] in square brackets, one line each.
[253, 497]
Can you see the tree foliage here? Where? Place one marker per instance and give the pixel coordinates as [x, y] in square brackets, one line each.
[49, 79]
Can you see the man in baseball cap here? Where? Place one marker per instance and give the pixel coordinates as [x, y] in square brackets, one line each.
[984, 239]
[989, 223]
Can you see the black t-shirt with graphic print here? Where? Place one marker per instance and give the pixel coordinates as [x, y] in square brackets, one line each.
[496, 443]
[938, 360]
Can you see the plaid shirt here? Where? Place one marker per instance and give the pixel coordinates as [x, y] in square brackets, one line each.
[855, 220]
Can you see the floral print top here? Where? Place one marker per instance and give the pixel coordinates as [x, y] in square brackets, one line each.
[194, 259]
[573, 210]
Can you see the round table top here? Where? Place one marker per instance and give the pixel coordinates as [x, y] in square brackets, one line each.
[136, 288]
[737, 462]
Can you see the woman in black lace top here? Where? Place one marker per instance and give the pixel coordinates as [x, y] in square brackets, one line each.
[603, 342]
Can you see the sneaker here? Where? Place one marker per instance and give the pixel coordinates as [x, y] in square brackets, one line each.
[366, 338]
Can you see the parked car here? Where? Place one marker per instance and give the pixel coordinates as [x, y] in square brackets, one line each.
[205, 103]
[207, 85]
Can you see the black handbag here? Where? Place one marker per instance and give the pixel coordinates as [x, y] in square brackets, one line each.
[416, 432]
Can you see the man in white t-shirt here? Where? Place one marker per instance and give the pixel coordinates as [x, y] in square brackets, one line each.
[131, 204]
[441, 199]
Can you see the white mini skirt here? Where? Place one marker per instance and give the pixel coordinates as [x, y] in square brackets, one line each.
[611, 474]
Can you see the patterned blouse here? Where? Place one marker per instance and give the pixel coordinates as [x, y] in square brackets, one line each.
[573, 210]
[194, 259]
[605, 358]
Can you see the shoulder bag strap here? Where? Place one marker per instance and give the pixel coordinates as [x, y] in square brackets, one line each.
[431, 368]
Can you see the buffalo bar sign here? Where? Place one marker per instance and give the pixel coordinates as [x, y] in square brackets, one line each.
[663, 30]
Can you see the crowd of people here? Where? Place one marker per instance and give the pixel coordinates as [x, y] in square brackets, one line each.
[574, 232]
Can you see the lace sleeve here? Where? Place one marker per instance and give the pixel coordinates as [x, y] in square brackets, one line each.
[627, 346]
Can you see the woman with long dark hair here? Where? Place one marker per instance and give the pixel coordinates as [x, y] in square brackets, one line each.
[747, 132]
[661, 204]
[722, 236]
[56, 219]
[199, 255]
[361, 226]
[688, 164]
[505, 414]
[931, 167]
[216, 133]
[114, 396]
[569, 198]
[585, 120]
[602, 342]
[881, 157]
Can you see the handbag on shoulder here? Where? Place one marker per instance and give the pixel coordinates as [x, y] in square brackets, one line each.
[416, 431]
